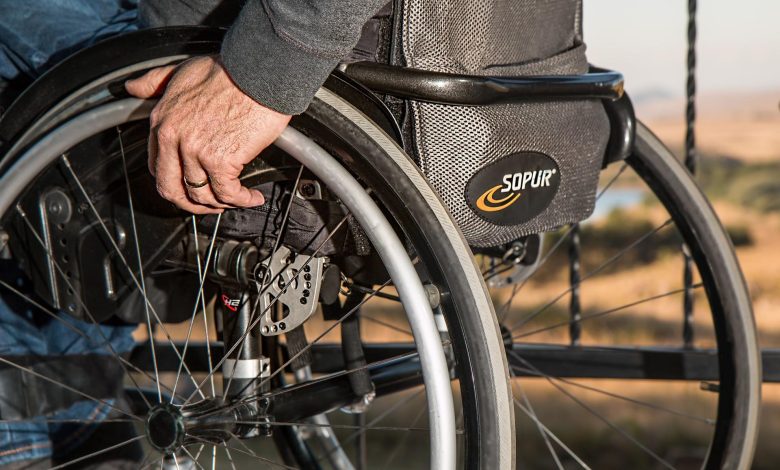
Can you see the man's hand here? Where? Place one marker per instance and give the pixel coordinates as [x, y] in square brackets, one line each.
[204, 130]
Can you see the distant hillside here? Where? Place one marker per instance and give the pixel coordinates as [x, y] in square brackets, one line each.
[742, 125]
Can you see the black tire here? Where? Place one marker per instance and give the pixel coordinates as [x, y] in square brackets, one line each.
[739, 357]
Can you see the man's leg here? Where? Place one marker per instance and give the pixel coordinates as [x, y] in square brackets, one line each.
[26, 442]
[34, 36]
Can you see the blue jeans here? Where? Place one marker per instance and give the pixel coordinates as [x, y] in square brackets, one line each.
[24, 332]
[35, 35]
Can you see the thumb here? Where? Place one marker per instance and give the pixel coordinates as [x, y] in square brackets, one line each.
[150, 84]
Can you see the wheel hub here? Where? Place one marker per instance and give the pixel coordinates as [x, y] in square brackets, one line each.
[169, 427]
[165, 428]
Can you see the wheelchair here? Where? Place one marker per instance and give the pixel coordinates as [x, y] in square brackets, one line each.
[348, 323]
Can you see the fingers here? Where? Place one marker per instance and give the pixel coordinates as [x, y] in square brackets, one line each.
[193, 137]
[170, 165]
[150, 84]
[228, 190]
[151, 151]
[194, 174]
[170, 180]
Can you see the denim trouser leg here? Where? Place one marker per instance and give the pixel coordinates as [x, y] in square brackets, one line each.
[33, 36]
[24, 332]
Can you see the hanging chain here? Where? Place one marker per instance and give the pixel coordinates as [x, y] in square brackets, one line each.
[690, 163]
[575, 310]
[690, 91]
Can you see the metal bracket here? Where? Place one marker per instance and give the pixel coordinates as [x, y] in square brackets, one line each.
[292, 282]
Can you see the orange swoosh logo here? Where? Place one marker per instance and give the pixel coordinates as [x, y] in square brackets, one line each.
[503, 203]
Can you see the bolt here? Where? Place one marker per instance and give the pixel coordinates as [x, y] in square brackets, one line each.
[265, 330]
[434, 296]
[307, 277]
[308, 190]
[306, 292]
[303, 300]
[307, 285]
[55, 207]
[3, 245]
[282, 325]
[306, 268]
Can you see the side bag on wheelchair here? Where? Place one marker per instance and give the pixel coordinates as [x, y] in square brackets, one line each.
[505, 170]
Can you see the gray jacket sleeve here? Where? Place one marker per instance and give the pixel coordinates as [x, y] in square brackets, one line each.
[280, 52]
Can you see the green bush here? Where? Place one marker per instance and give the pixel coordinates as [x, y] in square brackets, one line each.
[752, 185]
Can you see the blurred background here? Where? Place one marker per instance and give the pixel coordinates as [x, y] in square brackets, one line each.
[737, 132]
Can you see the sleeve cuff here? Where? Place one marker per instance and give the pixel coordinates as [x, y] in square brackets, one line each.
[273, 71]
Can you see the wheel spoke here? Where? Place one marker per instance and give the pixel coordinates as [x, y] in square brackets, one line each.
[334, 375]
[257, 317]
[230, 458]
[101, 451]
[66, 387]
[552, 435]
[149, 461]
[370, 318]
[201, 275]
[79, 299]
[400, 445]
[247, 451]
[132, 275]
[199, 300]
[277, 244]
[309, 346]
[589, 275]
[542, 431]
[140, 267]
[362, 429]
[192, 458]
[614, 395]
[516, 288]
[601, 417]
[605, 312]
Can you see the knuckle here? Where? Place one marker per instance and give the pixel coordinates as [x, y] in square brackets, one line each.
[165, 192]
[189, 147]
[199, 198]
[210, 163]
[155, 116]
[225, 197]
[166, 133]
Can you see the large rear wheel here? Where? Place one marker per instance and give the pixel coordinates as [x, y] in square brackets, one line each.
[364, 360]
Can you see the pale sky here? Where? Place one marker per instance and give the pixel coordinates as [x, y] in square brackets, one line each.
[738, 43]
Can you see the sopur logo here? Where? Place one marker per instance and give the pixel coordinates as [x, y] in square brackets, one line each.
[514, 189]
